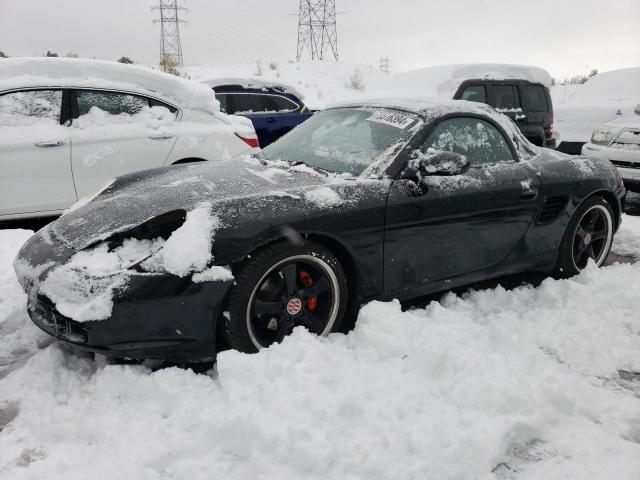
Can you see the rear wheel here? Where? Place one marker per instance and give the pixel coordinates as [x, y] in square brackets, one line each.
[588, 237]
[281, 287]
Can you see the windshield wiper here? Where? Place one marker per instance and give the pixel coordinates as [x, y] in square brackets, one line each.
[317, 169]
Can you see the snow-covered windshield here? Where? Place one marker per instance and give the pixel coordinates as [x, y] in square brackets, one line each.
[345, 140]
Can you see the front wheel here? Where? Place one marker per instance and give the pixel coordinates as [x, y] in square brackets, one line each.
[589, 236]
[283, 286]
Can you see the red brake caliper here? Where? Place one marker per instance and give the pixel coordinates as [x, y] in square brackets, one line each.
[308, 282]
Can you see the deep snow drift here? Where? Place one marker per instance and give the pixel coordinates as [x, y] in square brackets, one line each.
[492, 384]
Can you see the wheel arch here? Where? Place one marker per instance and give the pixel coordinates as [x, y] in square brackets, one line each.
[335, 246]
[612, 199]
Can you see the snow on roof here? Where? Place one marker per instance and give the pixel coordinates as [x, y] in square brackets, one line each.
[442, 81]
[83, 73]
[252, 82]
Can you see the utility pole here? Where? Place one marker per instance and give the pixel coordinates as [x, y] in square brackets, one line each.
[384, 64]
[170, 46]
[317, 29]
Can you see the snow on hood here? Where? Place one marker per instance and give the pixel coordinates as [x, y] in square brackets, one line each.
[137, 197]
[442, 81]
[83, 73]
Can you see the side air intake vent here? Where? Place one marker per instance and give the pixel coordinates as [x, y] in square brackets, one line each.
[551, 208]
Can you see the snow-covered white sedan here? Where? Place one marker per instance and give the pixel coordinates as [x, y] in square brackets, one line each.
[619, 142]
[68, 126]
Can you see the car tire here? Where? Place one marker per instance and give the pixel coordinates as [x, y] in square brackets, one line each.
[280, 287]
[589, 235]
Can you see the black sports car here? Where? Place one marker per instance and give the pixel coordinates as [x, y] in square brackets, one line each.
[363, 201]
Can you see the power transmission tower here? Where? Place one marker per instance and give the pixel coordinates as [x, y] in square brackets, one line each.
[170, 46]
[384, 64]
[317, 29]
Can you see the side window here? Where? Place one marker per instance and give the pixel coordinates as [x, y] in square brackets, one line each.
[475, 93]
[29, 107]
[248, 103]
[536, 98]
[478, 140]
[222, 98]
[111, 102]
[157, 103]
[505, 97]
[281, 104]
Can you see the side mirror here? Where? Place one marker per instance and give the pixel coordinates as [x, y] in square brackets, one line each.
[637, 109]
[440, 163]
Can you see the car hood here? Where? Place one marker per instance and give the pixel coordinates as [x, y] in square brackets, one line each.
[135, 198]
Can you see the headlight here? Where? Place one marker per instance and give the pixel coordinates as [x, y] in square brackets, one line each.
[601, 136]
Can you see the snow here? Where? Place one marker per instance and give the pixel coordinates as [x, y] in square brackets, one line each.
[83, 73]
[188, 249]
[323, 197]
[604, 97]
[489, 384]
[319, 83]
[213, 274]
[254, 83]
[627, 240]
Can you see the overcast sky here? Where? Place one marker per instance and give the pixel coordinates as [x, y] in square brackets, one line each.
[566, 37]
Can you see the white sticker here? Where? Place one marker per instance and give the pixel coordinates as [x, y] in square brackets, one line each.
[395, 119]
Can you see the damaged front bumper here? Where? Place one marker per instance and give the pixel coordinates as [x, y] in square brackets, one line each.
[156, 315]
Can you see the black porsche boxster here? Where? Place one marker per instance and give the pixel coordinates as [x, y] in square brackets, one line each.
[376, 200]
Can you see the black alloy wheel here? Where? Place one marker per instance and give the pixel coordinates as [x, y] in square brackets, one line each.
[588, 236]
[280, 288]
[592, 237]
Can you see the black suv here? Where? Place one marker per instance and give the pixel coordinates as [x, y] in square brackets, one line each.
[528, 104]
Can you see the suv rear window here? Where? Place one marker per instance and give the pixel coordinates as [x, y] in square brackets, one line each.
[505, 96]
[536, 98]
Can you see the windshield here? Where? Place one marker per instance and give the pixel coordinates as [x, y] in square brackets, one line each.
[346, 140]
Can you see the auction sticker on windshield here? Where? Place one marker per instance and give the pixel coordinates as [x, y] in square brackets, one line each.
[395, 119]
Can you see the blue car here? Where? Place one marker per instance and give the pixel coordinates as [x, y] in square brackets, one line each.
[274, 109]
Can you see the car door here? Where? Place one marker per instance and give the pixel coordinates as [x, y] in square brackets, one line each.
[114, 133]
[290, 113]
[35, 158]
[460, 224]
[266, 121]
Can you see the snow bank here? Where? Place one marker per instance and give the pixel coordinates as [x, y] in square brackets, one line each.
[490, 384]
[320, 83]
[604, 97]
[627, 240]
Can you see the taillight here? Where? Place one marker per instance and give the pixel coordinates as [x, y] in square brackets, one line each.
[252, 140]
[550, 131]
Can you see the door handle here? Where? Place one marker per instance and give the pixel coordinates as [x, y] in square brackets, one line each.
[161, 136]
[271, 120]
[52, 143]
